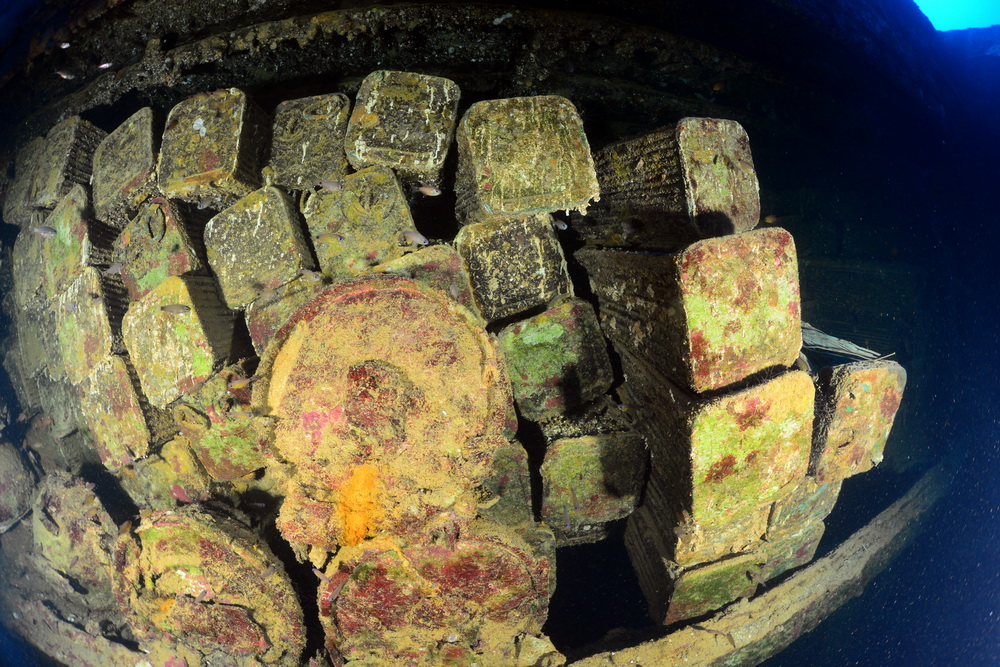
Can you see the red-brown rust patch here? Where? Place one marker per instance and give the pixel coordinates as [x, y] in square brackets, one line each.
[753, 413]
[721, 469]
[890, 403]
[752, 456]
[699, 353]
[207, 161]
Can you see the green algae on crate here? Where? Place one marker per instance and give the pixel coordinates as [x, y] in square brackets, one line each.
[707, 317]
[88, 317]
[226, 436]
[470, 595]
[124, 426]
[65, 158]
[17, 205]
[73, 533]
[505, 494]
[364, 223]
[170, 478]
[677, 535]
[674, 186]
[256, 245]
[514, 265]
[706, 588]
[801, 506]
[589, 481]
[79, 241]
[522, 156]
[790, 551]
[125, 169]
[856, 406]
[266, 314]
[405, 121]
[195, 578]
[155, 245]
[17, 487]
[557, 359]
[177, 336]
[28, 267]
[307, 144]
[210, 153]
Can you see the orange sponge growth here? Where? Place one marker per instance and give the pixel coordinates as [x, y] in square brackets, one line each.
[359, 508]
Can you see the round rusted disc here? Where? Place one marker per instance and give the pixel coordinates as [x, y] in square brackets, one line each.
[424, 602]
[390, 402]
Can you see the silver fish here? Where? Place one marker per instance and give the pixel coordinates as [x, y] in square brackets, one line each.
[415, 238]
[66, 75]
[429, 190]
[113, 270]
[44, 230]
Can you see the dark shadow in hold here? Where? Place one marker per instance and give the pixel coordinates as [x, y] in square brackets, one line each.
[714, 223]
[116, 501]
[597, 593]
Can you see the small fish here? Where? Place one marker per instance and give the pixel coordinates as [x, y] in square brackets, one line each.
[308, 274]
[429, 190]
[503, 17]
[267, 294]
[44, 231]
[242, 382]
[89, 500]
[175, 308]
[335, 593]
[780, 219]
[323, 577]
[329, 238]
[66, 75]
[331, 186]
[204, 203]
[201, 596]
[177, 491]
[105, 65]
[415, 238]
[71, 306]
[560, 225]
[627, 407]
[171, 125]
[576, 503]
[728, 636]
[247, 414]
[268, 572]
[64, 45]
[72, 562]
[145, 513]
[113, 270]
[566, 522]
[125, 527]
[454, 292]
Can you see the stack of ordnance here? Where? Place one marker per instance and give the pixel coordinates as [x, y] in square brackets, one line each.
[248, 334]
[747, 454]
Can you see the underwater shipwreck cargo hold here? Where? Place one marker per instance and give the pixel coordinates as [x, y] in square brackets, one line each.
[324, 437]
